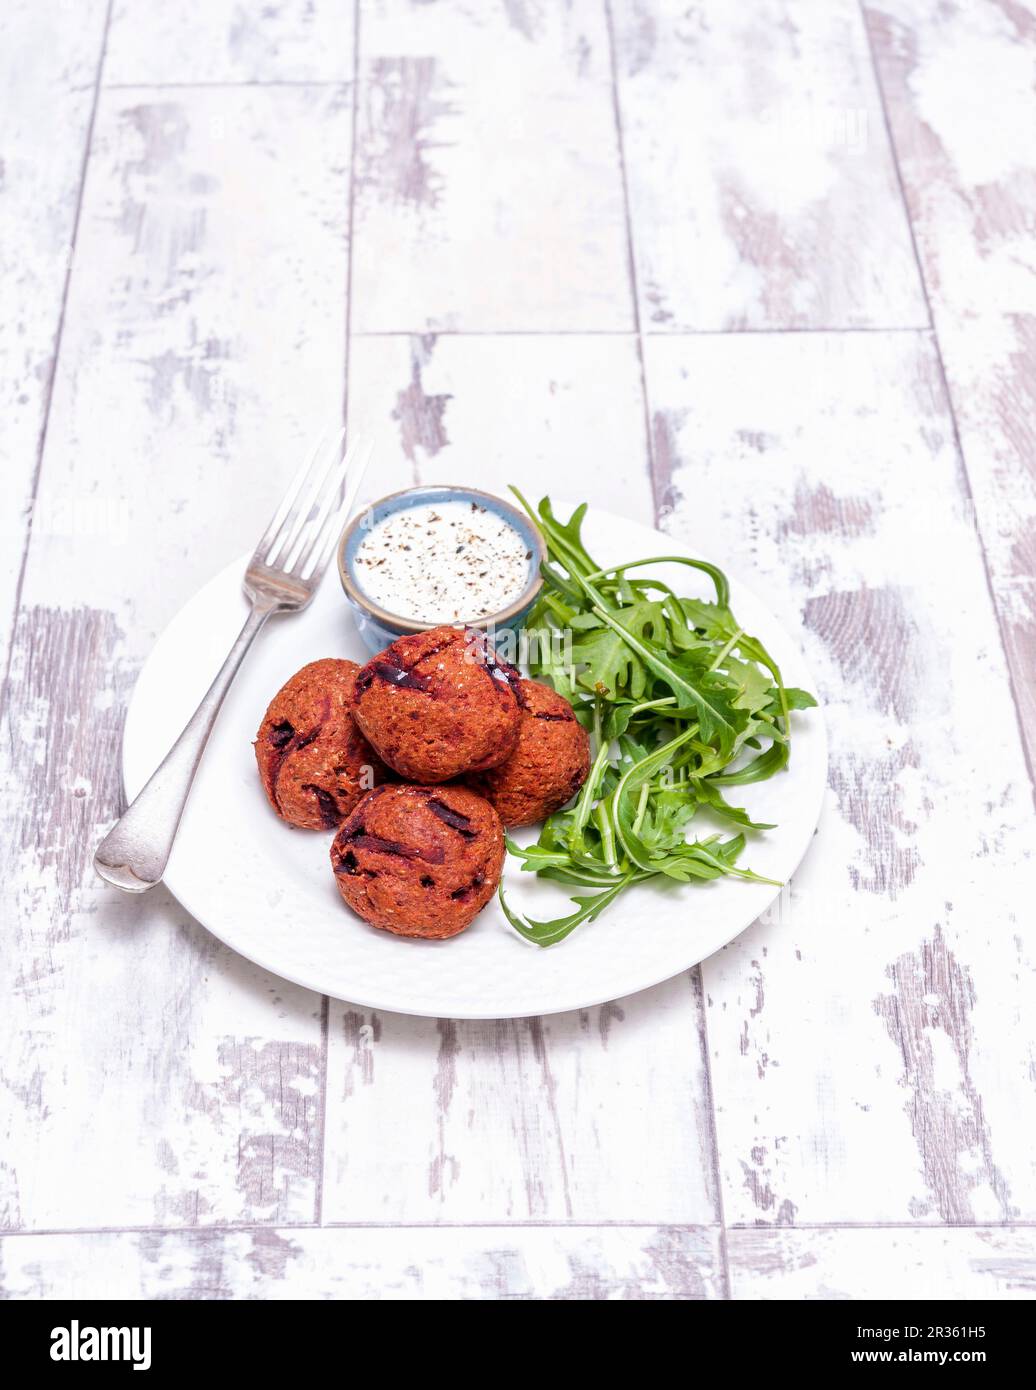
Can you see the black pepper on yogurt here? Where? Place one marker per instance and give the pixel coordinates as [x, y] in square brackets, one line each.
[443, 562]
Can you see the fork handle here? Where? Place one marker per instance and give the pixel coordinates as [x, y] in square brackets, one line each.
[134, 853]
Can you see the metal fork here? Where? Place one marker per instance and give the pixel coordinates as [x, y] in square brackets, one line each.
[282, 577]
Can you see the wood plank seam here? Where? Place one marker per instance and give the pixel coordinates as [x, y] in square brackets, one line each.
[325, 1003]
[695, 974]
[502, 1223]
[351, 215]
[228, 83]
[631, 259]
[632, 333]
[895, 162]
[221, 1227]
[952, 409]
[710, 1100]
[52, 375]
[318, 1195]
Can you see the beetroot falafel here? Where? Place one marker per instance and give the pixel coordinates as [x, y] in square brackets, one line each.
[314, 762]
[549, 764]
[439, 704]
[419, 861]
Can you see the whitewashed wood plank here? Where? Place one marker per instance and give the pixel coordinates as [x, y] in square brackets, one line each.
[965, 146]
[561, 415]
[484, 1263]
[489, 191]
[181, 41]
[49, 57]
[591, 1116]
[889, 1263]
[204, 338]
[761, 186]
[871, 1047]
[968, 162]
[991, 372]
[157, 1078]
[558, 1118]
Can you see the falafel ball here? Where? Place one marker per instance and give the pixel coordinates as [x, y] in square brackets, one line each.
[549, 764]
[314, 762]
[439, 704]
[419, 861]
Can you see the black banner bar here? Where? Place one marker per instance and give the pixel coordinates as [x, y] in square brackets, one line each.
[167, 1339]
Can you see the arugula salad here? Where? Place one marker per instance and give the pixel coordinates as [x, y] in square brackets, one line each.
[683, 707]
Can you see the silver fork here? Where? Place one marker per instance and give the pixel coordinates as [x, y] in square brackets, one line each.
[282, 577]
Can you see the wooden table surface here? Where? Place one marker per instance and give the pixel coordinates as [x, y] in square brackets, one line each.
[762, 273]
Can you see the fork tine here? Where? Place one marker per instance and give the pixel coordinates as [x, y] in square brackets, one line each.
[323, 546]
[326, 456]
[329, 493]
[290, 497]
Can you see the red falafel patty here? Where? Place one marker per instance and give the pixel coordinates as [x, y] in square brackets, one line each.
[439, 704]
[419, 861]
[314, 762]
[549, 764]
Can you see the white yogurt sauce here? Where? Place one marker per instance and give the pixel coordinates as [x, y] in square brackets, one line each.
[443, 562]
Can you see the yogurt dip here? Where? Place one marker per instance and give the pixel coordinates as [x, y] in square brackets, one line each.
[443, 562]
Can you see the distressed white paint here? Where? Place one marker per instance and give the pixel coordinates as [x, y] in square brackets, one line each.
[184, 41]
[504, 1262]
[202, 350]
[762, 188]
[965, 148]
[523, 1118]
[888, 1263]
[488, 186]
[204, 339]
[991, 367]
[870, 1045]
[871, 1042]
[969, 171]
[45, 108]
[553, 415]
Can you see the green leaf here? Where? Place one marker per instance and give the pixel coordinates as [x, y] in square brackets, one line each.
[550, 933]
[798, 699]
[613, 668]
[773, 760]
[675, 695]
[709, 710]
[710, 795]
[752, 685]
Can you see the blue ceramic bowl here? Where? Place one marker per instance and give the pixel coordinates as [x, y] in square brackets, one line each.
[379, 628]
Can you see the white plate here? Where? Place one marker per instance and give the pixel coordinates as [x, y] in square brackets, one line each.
[267, 890]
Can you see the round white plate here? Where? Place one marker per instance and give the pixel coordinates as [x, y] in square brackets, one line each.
[268, 892]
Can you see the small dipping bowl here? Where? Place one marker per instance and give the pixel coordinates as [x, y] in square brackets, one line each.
[379, 628]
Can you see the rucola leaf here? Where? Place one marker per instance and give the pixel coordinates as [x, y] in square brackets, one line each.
[674, 693]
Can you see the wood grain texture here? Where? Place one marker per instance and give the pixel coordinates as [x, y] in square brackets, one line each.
[521, 1119]
[762, 189]
[518, 1119]
[501, 1263]
[203, 345]
[208, 322]
[182, 41]
[870, 1042]
[968, 163]
[863, 1054]
[45, 112]
[185, 1083]
[991, 371]
[889, 1263]
[552, 414]
[965, 148]
[488, 186]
